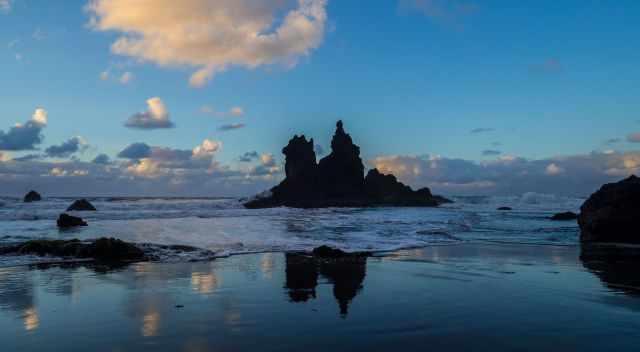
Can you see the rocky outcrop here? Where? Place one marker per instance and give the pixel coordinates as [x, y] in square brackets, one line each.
[612, 214]
[81, 205]
[504, 208]
[102, 249]
[337, 180]
[32, 196]
[66, 221]
[564, 216]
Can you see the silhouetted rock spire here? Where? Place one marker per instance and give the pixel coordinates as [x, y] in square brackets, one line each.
[337, 180]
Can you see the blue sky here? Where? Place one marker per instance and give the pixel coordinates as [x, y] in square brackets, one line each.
[409, 78]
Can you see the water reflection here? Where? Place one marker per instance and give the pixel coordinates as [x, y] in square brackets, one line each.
[31, 319]
[346, 275]
[616, 267]
[150, 324]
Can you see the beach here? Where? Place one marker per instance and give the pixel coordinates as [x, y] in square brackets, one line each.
[465, 296]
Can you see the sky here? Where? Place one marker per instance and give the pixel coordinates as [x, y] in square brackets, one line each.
[198, 97]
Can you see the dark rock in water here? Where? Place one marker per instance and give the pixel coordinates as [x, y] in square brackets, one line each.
[103, 249]
[337, 180]
[505, 208]
[112, 249]
[326, 252]
[386, 190]
[81, 205]
[67, 221]
[612, 214]
[32, 196]
[567, 215]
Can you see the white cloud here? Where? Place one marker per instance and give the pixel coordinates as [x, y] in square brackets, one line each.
[40, 116]
[155, 117]
[126, 77]
[553, 169]
[207, 148]
[212, 35]
[236, 111]
[634, 137]
[5, 5]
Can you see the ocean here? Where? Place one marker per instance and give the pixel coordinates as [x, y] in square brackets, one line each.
[224, 226]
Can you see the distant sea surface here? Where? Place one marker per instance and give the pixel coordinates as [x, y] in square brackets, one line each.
[226, 227]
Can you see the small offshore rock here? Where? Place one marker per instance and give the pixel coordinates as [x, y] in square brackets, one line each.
[81, 205]
[564, 216]
[32, 196]
[504, 208]
[68, 221]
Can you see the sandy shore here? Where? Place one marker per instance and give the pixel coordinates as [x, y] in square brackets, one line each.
[458, 297]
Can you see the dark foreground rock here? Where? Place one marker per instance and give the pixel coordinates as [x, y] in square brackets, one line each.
[81, 205]
[616, 266]
[337, 180]
[32, 196]
[326, 252]
[612, 214]
[565, 216]
[67, 221]
[102, 249]
[504, 208]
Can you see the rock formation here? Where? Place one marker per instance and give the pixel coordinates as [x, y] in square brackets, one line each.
[567, 215]
[504, 208]
[337, 180]
[102, 249]
[32, 196]
[612, 214]
[81, 205]
[66, 221]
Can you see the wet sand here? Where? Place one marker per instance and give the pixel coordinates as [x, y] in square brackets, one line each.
[456, 297]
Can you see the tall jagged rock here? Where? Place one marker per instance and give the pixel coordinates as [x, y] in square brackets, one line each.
[337, 180]
[341, 173]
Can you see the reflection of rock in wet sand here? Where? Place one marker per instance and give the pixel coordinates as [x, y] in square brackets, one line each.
[615, 267]
[346, 275]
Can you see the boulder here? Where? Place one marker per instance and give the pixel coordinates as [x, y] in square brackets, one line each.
[612, 214]
[102, 249]
[337, 180]
[326, 252]
[504, 208]
[32, 196]
[67, 221]
[564, 216]
[81, 205]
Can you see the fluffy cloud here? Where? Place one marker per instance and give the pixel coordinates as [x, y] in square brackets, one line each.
[155, 117]
[207, 148]
[233, 126]
[481, 130]
[126, 77]
[634, 137]
[67, 148]
[490, 152]
[102, 159]
[25, 136]
[135, 151]
[571, 175]
[5, 5]
[212, 35]
[249, 157]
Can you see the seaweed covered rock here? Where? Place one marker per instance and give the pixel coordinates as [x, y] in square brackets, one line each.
[337, 180]
[81, 205]
[67, 221]
[102, 249]
[612, 214]
[32, 196]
